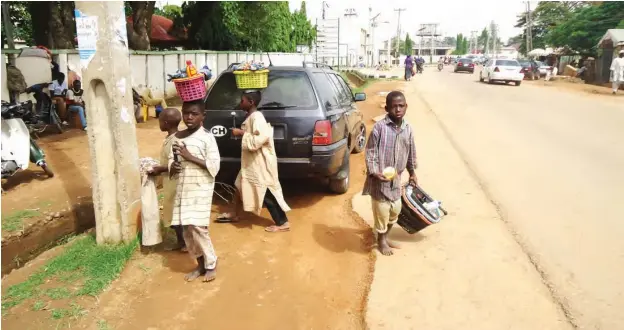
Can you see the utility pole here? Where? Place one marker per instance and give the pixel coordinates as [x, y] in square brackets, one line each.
[529, 28]
[473, 42]
[399, 31]
[325, 5]
[105, 62]
[351, 32]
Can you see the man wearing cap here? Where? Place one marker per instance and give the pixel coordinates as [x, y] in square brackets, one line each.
[617, 71]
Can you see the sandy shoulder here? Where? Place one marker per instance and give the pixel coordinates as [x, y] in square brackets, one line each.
[467, 272]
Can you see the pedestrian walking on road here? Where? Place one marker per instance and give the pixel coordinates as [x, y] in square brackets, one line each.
[169, 121]
[390, 147]
[195, 161]
[409, 67]
[617, 71]
[258, 180]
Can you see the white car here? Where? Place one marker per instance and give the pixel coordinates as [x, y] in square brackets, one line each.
[502, 70]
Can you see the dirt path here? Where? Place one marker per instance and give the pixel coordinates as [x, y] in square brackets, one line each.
[315, 277]
[466, 272]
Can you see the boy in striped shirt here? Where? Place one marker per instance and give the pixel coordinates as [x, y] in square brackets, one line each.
[390, 144]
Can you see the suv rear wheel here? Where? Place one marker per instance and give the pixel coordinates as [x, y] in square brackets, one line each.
[339, 184]
[360, 140]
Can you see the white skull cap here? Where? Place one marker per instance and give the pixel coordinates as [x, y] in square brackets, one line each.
[621, 51]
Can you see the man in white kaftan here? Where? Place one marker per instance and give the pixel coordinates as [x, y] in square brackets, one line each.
[617, 71]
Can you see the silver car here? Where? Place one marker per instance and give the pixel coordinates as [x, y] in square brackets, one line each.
[543, 68]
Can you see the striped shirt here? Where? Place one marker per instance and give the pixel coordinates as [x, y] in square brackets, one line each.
[388, 145]
[194, 185]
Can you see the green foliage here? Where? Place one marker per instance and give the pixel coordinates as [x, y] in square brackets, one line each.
[461, 45]
[582, 31]
[15, 220]
[574, 25]
[267, 26]
[21, 20]
[172, 12]
[482, 40]
[407, 45]
[93, 266]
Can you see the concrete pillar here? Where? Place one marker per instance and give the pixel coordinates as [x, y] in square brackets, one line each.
[110, 120]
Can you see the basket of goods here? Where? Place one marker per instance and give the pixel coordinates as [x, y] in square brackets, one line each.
[418, 210]
[251, 75]
[190, 82]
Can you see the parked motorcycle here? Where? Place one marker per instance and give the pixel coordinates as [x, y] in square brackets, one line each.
[46, 114]
[18, 148]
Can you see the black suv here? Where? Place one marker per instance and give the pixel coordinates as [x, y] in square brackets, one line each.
[312, 110]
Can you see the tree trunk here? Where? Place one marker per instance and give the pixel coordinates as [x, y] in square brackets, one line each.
[139, 32]
[40, 14]
[53, 24]
[60, 36]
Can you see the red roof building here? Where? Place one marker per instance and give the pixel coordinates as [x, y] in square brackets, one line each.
[162, 31]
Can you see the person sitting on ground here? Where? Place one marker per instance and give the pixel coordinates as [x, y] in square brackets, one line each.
[258, 180]
[169, 121]
[76, 103]
[194, 163]
[391, 144]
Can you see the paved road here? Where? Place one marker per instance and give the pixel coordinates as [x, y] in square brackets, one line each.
[553, 161]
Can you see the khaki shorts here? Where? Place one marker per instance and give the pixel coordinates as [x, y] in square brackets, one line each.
[385, 213]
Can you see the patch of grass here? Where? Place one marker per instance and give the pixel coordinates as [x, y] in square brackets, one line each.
[15, 220]
[367, 82]
[38, 305]
[58, 293]
[95, 266]
[103, 325]
[59, 313]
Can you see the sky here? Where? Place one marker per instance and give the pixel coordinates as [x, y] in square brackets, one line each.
[460, 16]
[453, 16]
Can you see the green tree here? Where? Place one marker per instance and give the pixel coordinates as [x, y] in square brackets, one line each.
[303, 32]
[20, 18]
[545, 16]
[482, 40]
[464, 46]
[408, 45]
[459, 44]
[172, 12]
[582, 31]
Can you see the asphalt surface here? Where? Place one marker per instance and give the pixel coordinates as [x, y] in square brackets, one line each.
[552, 161]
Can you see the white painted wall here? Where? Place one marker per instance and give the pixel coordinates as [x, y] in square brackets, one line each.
[151, 68]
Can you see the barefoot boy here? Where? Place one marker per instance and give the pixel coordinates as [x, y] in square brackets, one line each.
[258, 181]
[169, 121]
[195, 161]
[390, 144]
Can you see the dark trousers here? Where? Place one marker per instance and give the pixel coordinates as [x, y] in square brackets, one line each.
[278, 215]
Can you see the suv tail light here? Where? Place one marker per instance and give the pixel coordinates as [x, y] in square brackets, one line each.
[322, 133]
[471, 65]
[496, 69]
[459, 64]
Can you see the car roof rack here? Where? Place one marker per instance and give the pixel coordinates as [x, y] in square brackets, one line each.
[232, 66]
[317, 65]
